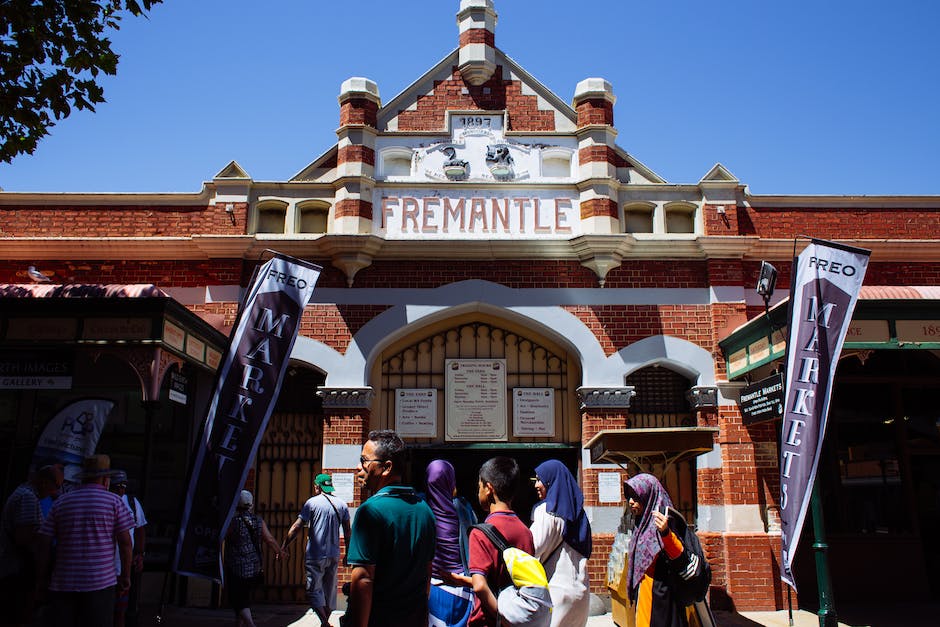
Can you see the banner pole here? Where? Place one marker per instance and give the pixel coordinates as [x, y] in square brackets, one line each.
[827, 610]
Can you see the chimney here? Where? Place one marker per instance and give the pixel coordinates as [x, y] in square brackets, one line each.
[477, 22]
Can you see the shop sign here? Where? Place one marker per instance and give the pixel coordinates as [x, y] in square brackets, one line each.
[116, 328]
[762, 401]
[918, 330]
[36, 371]
[609, 487]
[475, 405]
[416, 412]
[533, 412]
[178, 384]
[42, 328]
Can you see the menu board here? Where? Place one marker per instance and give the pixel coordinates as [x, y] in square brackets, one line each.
[475, 407]
[533, 412]
[416, 412]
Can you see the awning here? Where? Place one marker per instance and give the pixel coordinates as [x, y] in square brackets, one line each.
[646, 446]
[36, 315]
[895, 317]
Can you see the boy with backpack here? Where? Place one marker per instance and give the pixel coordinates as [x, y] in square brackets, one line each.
[499, 479]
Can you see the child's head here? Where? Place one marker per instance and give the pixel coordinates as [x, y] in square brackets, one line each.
[501, 474]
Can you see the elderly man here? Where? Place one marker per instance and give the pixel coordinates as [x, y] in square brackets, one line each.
[323, 514]
[392, 542]
[85, 523]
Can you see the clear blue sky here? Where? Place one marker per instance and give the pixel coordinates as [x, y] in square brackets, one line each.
[796, 97]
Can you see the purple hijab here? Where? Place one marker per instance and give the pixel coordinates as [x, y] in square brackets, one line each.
[564, 499]
[441, 484]
[646, 543]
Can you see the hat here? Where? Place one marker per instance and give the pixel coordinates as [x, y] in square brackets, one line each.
[245, 500]
[325, 482]
[118, 476]
[96, 466]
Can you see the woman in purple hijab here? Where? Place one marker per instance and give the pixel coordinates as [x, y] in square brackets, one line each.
[451, 596]
[562, 536]
[656, 551]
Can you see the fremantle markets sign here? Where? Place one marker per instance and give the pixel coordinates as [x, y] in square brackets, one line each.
[501, 214]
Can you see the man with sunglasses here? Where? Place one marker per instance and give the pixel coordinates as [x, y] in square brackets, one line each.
[392, 542]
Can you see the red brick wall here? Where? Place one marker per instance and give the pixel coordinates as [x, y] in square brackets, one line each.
[599, 207]
[524, 114]
[602, 153]
[595, 111]
[477, 36]
[617, 326]
[119, 220]
[351, 207]
[358, 111]
[335, 325]
[160, 273]
[752, 572]
[828, 223]
[356, 154]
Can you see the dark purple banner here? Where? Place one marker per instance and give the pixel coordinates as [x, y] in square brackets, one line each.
[246, 389]
[826, 281]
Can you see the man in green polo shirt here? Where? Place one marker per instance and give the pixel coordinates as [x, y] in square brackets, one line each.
[392, 543]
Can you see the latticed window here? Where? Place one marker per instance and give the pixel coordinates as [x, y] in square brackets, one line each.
[660, 399]
[529, 364]
[661, 402]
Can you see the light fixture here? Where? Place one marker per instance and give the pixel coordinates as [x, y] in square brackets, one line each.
[230, 210]
[766, 283]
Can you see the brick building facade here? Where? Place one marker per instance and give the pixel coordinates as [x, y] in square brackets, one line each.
[477, 215]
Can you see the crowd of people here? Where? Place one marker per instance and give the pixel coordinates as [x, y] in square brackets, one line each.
[415, 559]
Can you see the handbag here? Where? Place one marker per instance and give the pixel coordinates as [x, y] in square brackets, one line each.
[258, 579]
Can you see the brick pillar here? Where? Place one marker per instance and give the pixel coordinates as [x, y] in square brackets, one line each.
[602, 409]
[600, 210]
[346, 418]
[359, 103]
[476, 20]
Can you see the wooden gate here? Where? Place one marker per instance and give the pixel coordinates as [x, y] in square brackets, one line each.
[287, 461]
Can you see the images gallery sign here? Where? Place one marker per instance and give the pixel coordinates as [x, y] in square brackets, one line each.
[504, 214]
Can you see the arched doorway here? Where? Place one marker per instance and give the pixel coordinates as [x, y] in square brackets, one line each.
[288, 459]
[531, 362]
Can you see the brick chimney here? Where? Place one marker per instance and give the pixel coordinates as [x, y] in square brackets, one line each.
[477, 22]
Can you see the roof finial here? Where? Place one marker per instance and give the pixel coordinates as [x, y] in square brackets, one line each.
[477, 22]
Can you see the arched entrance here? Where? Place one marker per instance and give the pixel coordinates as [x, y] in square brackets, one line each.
[531, 362]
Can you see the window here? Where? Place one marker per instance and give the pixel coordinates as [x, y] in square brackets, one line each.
[556, 163]
[638, 218]
[396, 161]
[680, 218]
[313, 217]
[271, 217]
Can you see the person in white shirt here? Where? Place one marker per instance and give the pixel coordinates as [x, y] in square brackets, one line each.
[125, 607]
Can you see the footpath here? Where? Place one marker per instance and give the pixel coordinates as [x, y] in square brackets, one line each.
[300, 616]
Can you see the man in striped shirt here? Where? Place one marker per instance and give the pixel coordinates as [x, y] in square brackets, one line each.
[85, 523]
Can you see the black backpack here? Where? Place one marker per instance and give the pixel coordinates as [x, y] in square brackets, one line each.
[690, 574]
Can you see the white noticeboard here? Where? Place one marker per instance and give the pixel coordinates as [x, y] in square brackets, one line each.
[608, 487]
[475, 391]
[416, 412]
[344, 484]
[533, 412]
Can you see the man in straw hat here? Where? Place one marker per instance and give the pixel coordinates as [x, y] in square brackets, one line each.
[85, 523]
[323, 514]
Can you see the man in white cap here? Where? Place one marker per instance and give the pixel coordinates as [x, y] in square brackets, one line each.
[323, 514]
[126, 605]
[85, 523]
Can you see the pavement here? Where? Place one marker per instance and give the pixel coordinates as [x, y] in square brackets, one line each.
[300, 616]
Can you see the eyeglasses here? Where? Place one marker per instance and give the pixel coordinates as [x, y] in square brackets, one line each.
[363, 461]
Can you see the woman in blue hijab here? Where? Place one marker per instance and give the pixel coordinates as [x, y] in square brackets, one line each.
[562, 536]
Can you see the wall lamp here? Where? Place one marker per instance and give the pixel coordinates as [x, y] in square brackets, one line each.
[230, 210]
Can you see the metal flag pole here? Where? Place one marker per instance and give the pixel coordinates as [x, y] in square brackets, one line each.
[827, 610]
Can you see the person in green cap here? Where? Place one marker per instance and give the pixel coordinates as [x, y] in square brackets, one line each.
[323, 514]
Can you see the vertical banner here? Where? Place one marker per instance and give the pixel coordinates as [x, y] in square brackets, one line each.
[246, 389]
[826, 281]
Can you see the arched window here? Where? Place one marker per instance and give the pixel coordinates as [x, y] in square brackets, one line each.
[638, 218]
[556, 163]
[661, 402]
[396, 161]
[271, 217]
[313, 216]
[680, 217]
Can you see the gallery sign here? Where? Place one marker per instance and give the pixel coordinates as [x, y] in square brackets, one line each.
[36, 371]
